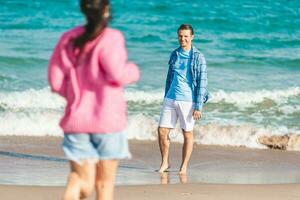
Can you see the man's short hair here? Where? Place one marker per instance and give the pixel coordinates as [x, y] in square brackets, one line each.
[186, 27]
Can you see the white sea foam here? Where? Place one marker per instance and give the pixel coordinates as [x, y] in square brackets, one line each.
[37, 113]
[142, 96]
[141, 127]
[45, 99]
[248, 99]
[37, 99]
[30, 124]
[290, 109]
[239, 99]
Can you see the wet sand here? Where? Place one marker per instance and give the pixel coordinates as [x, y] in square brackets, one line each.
[169, 192]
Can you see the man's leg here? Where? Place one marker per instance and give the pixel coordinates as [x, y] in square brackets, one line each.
[81, 181]
[164, 144]
[186, 150]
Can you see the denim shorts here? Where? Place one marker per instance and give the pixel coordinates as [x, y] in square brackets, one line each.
[80, 147]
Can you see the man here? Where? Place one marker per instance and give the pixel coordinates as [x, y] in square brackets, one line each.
[185, 94]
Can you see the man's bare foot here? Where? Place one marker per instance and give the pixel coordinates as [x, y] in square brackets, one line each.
[182, 171]
[164, 168]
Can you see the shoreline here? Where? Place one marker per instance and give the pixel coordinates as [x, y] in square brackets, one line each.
[40, 161]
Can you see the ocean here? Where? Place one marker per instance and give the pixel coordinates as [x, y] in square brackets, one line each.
[252, 50]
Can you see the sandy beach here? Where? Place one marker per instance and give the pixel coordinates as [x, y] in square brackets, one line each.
[172, 192]
[36, 165]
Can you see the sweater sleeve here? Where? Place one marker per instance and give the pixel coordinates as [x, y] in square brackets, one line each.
[113, 60]
[56, 74]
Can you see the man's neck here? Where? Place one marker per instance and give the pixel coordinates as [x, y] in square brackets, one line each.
[187, 48]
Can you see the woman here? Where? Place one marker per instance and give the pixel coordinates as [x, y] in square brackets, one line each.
[89, 68]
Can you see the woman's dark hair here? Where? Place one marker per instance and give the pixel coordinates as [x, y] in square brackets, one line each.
[186, 27]
[96, 21]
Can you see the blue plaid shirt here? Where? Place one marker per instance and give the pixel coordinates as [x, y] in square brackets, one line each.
[199, 76]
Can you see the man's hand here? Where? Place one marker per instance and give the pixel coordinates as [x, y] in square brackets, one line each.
[196, 115]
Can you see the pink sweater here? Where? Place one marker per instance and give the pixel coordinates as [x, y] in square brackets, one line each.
[92, 85]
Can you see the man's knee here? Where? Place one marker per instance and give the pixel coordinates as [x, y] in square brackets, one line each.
[163, 132]
[188, 135]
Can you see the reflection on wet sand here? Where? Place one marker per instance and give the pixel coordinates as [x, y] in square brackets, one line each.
[183, 178]
[165, 178]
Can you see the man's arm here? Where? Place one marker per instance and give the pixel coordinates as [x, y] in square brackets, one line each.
[169, 75]
[201, 89]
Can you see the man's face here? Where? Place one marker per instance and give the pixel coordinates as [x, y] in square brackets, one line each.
[185, 38]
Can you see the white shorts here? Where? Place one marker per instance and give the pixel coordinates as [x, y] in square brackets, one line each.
[172, 110]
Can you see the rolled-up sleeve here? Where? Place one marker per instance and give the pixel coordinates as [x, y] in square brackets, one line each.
[201, 89]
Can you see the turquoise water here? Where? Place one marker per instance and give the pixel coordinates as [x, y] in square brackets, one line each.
[252, 49]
